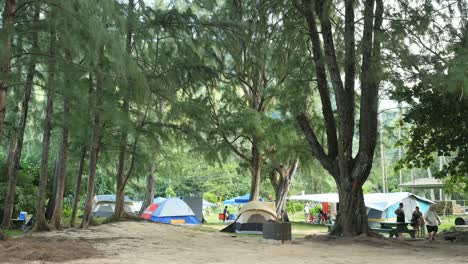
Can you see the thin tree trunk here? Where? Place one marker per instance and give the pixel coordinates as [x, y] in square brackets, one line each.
[11, 147]
[76, 195]
[94, 149]
[119, 211]
[13, 167]
[255, 170]
[56, 220]
[8, 21]
[149, 192]
[41, 222]
[281, 179]
[53, 188]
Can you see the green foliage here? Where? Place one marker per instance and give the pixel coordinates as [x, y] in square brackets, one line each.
[170, 192]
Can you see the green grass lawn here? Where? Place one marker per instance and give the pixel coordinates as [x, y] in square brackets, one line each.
[13, 232]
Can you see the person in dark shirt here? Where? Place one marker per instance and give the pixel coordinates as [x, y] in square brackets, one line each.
[400, 214]
[225, 213]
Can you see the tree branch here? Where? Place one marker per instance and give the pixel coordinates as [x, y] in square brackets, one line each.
[316, 148]
[322, 84]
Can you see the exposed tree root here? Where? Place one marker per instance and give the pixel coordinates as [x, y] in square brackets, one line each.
[3, 237]
[124, 217]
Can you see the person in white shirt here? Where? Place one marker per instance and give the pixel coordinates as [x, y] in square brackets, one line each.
[306, 212]
[432, 221]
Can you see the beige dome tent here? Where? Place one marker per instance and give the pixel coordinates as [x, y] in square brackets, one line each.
[251, 218]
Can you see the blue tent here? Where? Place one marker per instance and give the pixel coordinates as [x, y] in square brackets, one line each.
[239, 200]
[174, 211]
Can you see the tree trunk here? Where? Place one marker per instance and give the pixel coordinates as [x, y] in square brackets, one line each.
[281, 179]
[119, 211]
[149, 193]
[76, 194]
[56, 220]
[41, 222]
[349, 172]
[13, 167]
[53, 188]
[351, 219]
[6, 36]
[94, 150]
[255, 170]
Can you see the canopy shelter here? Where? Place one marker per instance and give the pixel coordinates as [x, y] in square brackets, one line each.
[171, 211]
[426, 184]
[380, 206]
[104, 205]
[240, 200]
[251, 218]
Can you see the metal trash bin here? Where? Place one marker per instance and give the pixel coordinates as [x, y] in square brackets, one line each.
[277, 231]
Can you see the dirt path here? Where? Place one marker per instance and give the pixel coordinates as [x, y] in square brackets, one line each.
[144, 242]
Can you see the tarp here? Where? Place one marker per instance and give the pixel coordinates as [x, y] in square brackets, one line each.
[196, 204]
[174, 210]
[377, 201]
[239, 200]
[208, 204]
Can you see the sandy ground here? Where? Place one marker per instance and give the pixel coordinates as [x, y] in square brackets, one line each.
[145, 242]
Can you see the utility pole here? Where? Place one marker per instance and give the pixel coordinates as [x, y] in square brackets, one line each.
[399, 148]
[382, 157]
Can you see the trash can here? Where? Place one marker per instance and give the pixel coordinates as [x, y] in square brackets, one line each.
[277, 231]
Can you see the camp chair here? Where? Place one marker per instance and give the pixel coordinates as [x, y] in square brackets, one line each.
[28, 224]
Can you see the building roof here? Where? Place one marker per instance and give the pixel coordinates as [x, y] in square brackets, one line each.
[423, 183]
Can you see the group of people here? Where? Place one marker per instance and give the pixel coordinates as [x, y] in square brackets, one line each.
[430, 221]
[320, 218]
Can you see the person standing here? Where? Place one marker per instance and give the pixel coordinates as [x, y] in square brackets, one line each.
[306, 212]
[400, 214]
[432, 221]
[417, 221]
[225, 213]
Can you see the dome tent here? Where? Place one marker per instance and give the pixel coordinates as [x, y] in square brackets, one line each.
[252, 217]
[173, 211]
[104, 205]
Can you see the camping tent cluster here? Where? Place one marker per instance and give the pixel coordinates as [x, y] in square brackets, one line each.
[380, 206]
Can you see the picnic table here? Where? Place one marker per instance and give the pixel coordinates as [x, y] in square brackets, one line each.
[394, 228]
